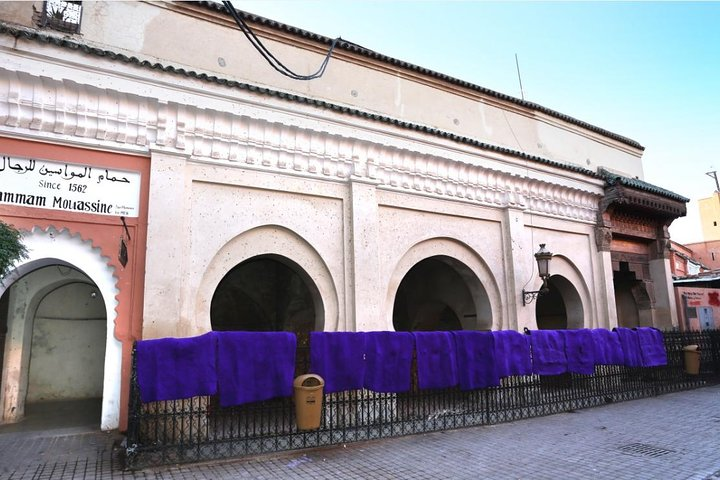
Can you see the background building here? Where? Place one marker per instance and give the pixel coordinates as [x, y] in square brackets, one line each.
[708, 251]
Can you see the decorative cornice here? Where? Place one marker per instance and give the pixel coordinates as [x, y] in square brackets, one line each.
[71, 44]
[70, 112]
[655, 205]
[637, 184]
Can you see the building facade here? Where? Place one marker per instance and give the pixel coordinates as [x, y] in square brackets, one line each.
[709, 217]
[708, 250]
[382, 196]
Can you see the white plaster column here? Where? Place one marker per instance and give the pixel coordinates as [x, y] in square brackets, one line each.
[607, 316]
[515, 241]
[365, 253]
[167, 247]
[17, 354]
[606, 307]
[665, 311]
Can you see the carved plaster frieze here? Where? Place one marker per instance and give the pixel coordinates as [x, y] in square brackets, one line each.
[69, 112]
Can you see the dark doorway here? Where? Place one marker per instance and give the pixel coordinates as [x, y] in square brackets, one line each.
[265, 293]
[631, 299]
[550, 310]
[561, 307]
[433, 295]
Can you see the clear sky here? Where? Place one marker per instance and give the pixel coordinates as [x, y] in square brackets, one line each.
[649, 71]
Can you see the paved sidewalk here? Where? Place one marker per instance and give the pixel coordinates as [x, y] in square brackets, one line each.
[675, 436]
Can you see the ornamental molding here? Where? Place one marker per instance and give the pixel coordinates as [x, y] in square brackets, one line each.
[68, 112]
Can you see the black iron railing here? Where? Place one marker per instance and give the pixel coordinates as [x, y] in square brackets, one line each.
[198, 429]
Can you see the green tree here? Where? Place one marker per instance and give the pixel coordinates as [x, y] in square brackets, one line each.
[11, 247]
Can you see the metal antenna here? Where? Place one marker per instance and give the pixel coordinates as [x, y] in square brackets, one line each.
[522, 94]
[713, 174]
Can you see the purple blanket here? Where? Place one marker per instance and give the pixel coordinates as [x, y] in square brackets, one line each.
[652, 347]
[631, 347]
[176, 368]
[339, 358]
[388, 357]
[608, 350]
[255, 366]
[579, 351]
[475, 353]
[548, 352]
[512, 353]
[436, 362]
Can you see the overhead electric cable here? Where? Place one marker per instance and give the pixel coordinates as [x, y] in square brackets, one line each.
[268, 56]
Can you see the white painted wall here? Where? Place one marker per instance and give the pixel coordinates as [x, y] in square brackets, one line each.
[153, 31]
[68, 345]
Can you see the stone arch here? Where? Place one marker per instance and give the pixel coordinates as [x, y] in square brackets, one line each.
[467, 263]
[567, 283]
[59, 247]
[280, 243]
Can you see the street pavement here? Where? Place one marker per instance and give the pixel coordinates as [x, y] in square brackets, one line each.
[674, 436]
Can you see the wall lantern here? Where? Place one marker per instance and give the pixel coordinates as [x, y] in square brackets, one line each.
[542, 257]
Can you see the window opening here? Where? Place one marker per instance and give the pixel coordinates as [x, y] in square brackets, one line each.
[62, 15]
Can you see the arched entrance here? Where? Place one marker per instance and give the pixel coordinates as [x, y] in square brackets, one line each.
[560, 307]
[634, 308]
[59, 320]
[266, 293]
[56, 320]
[435, 295]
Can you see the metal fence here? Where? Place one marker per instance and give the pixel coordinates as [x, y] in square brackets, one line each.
[198, 429]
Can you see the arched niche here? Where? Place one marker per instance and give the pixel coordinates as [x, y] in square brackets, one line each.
[565, 284]
[51, 247]
[271, 241]
[467, 265]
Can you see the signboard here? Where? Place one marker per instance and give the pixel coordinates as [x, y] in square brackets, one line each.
[702, 297]
[69, 187]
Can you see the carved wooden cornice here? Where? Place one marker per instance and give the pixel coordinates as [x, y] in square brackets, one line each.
[655, 205]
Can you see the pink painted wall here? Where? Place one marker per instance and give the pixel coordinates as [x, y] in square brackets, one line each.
[104, 232]
[696, 304]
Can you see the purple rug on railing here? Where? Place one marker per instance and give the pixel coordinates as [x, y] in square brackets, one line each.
[579, 351]
[608, 349]
[388, 361]
[176, 368]
[475, 353]
[512, 353]
[436, 361]
[255, 366]
[631, 347]
[548, 352]
[652, 347]
[339, 358]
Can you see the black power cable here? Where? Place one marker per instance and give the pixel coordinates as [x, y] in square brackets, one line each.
[268, 56]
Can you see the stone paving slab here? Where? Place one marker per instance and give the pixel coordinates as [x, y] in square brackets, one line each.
[674, 436]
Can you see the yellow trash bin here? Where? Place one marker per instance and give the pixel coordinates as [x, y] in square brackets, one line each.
[692, 359]
[308, 396]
